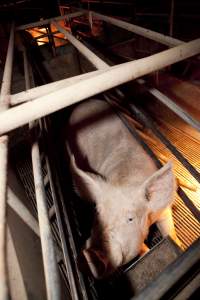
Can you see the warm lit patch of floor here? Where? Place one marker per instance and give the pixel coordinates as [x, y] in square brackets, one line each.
[187, 227]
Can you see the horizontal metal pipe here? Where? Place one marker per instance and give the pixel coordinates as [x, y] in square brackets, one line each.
[47, 21]
[100, 64]
[48, 88]
[147, 33]
[107, 79]
[4, 104]
[94, 59]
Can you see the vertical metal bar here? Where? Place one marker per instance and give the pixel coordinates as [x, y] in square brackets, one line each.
[48, 251]
[4, 104]
[70, 276]
[171, 19]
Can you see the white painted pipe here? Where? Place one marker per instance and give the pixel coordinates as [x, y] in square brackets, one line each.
[147, 33]
[46, 237]
[94, 59]
[4, 104]
[23, 212]
[107, 79]
[47, 21]
[48, 88]
[99, 64]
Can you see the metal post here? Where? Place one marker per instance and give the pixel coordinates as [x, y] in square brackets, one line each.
[4, 104]
[171, 19]
[48, 251]
[107, 79]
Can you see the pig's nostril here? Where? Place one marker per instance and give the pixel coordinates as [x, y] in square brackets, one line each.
[96, 262]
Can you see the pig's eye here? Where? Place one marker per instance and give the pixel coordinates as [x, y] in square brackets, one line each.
[130, 219]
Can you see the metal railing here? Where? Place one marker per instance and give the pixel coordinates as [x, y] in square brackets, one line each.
[67, 92]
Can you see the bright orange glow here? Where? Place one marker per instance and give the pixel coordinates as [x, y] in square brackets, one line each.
[59, 38]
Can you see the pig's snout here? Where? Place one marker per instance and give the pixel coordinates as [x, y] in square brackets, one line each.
[97, 262]
[102, 264]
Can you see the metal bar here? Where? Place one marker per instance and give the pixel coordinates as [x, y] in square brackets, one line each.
[48, 251]
[147, 33]
[45, 35]
[176, 271]
[109, 78]
[189, 204]
[173, 106]
[100, 64]
[149, 121]
[47, 21]
[23, 212]
[46, 89]
[150, 124]
[171, 19]
[94, 59]
[63, 220]
[70, 276]
[4, 104]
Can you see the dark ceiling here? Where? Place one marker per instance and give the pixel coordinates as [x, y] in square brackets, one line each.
[23, 11]
[154, 14]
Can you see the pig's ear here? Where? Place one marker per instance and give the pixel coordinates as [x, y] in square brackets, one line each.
[87, 185]
[160, 188]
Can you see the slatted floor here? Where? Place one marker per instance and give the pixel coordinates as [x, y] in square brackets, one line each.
[187, 227]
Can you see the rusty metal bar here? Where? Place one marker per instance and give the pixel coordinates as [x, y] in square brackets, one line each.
[147, 33]
[107, 79]
[47, 243]
[47, 21]
[4, 104]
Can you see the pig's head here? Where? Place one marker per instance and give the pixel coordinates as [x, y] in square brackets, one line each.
[123, 216]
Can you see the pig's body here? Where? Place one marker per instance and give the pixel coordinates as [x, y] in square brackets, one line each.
[111, 168]
[102, 144]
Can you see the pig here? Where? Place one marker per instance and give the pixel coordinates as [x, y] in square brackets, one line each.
[111, 169]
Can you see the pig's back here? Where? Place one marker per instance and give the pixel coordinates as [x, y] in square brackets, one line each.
[102, 144]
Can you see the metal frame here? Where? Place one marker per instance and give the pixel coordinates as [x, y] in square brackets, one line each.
[48, 252]
[4, 104]
[67, 92]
